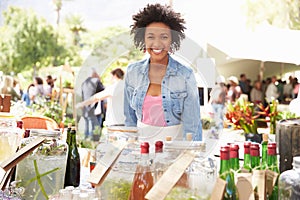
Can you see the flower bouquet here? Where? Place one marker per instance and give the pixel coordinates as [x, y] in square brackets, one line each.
[243, 115]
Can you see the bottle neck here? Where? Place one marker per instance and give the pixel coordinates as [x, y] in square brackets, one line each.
[224, 166]
[264, 154]
[73, 141]
[145, 161]
[234, 160]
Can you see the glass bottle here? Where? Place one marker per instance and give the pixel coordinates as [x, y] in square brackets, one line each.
[68, 139]
[264, 152]
[288, 182]
[234, 157]
[273, 165]
[247, 158]
[227, 175]
[72, 176]
[254, 155]
[143, 179]
[158, 162]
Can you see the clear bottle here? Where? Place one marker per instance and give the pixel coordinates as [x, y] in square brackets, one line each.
[143, 179]
[273, 165]
[288, 182]
[227, 175]
[72, 176]
[159, 166]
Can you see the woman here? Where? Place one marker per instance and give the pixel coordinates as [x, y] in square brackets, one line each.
[256, 94]
[161, 94]
[114, 95]
[37, 93]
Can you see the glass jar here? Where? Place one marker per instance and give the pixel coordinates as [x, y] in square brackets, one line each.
[196, 183]
[10, 136]
[42, 172]
[288, 182]
[118, 182]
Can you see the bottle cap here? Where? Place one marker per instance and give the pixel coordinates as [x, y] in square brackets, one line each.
[272, 148]
[27, 133]
[20, 124]
[247, 145]
[265, 137]
[168, 138]
[145, 147]
[234, 151]
[224, 152]
[189, 136]
[254, 149]
[159, 146]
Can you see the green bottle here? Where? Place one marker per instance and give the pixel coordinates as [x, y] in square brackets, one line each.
[72, 176]
[227, 175]
[264, 152]
[247, 158]
[254, 154]
[234, 157]
[273, 165]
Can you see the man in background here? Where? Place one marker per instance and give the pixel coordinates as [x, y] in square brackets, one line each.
[89, 87]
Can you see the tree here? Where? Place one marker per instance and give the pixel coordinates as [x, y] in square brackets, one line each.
[29, 41]
[75, 24]
[279, 13]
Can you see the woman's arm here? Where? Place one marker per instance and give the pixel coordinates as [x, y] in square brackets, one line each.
[191, 111]
[95, 98]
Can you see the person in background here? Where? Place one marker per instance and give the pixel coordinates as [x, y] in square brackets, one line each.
[288, 89]
[295, 87]
[245, 85]
[217, 100]
[161, 95]
[234, 91]
[256, 94]
[26, 95]
[89, 87]
[114, 94]
[49, 86]
[37, 93]
[16, 92]
[272, 91]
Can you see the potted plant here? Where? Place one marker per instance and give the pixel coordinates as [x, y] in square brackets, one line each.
[242, 114]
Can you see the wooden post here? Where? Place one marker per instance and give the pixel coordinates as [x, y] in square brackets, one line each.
[288, 142]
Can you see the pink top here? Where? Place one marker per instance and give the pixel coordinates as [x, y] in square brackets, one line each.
[153, 111]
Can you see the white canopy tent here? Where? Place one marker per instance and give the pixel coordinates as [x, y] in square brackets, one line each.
[268, 51]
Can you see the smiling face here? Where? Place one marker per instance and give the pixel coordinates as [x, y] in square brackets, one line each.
[158, 40]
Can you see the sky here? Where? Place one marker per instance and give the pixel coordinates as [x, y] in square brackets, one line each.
[203, 17]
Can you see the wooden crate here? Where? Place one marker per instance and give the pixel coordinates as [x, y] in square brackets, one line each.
[288, 142]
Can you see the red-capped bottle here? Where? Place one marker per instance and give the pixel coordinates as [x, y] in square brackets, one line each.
[234, 157]
[247, 157]
[159, 164]
[143, 179]
[227, 175]
[255, 156]
[273, 165]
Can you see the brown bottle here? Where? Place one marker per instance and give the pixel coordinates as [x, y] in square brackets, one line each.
[143, 179]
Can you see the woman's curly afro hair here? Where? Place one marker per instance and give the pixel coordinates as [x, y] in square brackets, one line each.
[157, 13]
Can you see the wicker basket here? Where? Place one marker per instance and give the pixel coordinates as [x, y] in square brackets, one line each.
[39, 122]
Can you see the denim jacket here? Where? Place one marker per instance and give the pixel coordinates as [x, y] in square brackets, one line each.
[180, 98]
